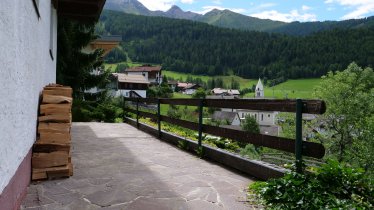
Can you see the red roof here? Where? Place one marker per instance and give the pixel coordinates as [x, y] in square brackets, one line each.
[144, 68]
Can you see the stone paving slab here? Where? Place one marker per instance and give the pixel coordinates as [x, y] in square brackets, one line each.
[119, 167]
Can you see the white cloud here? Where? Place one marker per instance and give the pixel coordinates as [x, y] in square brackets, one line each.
[260, 7]
[265, 5]
[158, 4]
[293, 15]
[187, 1]
[210, 8]
[217, 2]
[305, 8]
[360, 7]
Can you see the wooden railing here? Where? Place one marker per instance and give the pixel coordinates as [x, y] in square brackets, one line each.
[298, 106]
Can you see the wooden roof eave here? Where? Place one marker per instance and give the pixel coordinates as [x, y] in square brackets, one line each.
[80, 10]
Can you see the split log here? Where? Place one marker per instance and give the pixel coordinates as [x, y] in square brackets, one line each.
[47, 160]
[48, 109]
[38, 175]
[52, 172]
[54, 138]
[67, 92]
[54, 127]
[70, 165]
[56, 118]
[51, 99]
[58, 172]
[50, 147]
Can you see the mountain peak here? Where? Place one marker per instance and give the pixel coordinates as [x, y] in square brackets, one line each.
[175, 8]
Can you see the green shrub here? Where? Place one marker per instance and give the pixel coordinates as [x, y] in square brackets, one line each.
[333, 186]
[106, 110]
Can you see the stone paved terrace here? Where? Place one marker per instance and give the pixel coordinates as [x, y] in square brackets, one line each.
[120, 167]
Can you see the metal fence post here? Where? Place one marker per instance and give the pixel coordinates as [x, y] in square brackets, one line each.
[299, 135]
[159, 117]
[137, 113]
[201, 106]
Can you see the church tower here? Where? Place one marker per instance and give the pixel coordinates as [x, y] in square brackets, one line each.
[259, 92]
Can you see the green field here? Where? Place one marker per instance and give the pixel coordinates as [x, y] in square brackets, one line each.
[300, 88]
[244, 83]
[113, 66]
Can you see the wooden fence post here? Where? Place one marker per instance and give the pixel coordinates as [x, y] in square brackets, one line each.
[159, 117]
[137, 113]
[201, 106]
[124, 109]
[299, 136]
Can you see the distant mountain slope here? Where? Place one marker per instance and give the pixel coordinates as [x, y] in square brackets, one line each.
[178, 13]
[221, 18]
[199, 48]
[127, 6]
[302, 29]
[229, 19]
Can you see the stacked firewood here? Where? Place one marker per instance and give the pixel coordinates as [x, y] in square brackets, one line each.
[51, 156]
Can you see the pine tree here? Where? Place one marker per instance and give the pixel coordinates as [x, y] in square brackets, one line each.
[74, 67]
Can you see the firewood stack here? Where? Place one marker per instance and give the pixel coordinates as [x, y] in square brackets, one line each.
[51, 156]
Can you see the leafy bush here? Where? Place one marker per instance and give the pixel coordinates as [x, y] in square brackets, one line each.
[105, 110]
[200, 93]
[333, 186]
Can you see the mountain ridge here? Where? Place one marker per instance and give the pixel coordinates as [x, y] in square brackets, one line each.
[233, 20]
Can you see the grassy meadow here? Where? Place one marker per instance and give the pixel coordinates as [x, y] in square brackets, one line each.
[244, 83]
[300, 88]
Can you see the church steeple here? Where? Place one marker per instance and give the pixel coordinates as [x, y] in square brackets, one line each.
[259, 92]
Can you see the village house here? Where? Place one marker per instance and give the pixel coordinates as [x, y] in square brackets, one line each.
[153, 74]
[128, 85]
[189, 88]
[28, 38]
[267, 120]
[229, 92]
[173, 85]
[182, 85]
[226, 118]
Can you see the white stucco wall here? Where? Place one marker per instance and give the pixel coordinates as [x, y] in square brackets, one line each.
[145, 74]
[189, 91]
[236, 120]
[126, 93]
[262, 117]
[25, 68]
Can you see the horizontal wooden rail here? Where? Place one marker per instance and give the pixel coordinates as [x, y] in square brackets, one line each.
[142, 114]
[309, 106]
[310, 149]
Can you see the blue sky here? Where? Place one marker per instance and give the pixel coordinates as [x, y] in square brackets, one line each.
[283, 10]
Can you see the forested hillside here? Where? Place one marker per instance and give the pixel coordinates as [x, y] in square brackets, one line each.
[198, 48]
[306, 28]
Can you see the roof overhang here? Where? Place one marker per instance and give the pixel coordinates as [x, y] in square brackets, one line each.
[81, 10]
[107, 43]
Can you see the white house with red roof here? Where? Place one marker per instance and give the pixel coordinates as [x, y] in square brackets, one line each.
[153, 74]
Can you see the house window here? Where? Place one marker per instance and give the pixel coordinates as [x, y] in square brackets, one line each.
[256, 116]
[269, 115]
[242, 115]
[262, 117]
[36, 6]
[127, 94]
